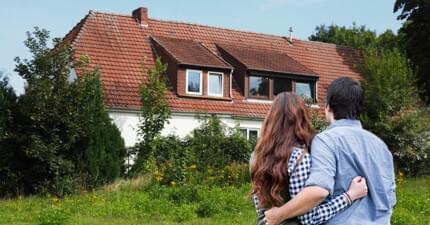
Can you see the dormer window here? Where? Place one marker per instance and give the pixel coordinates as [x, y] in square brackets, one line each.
[266, 87]
[305, 89]
[194, 82]
[215, 84]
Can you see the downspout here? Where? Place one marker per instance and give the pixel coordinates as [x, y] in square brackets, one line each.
[231, 83]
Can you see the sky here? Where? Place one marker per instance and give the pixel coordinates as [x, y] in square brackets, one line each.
[265, 16]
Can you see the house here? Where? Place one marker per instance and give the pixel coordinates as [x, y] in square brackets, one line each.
[233, 74]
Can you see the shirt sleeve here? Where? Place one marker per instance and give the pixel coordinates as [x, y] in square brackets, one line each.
[323, 170]
[322, 213]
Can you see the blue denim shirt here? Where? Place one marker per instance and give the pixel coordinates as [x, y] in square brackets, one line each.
[345, 150]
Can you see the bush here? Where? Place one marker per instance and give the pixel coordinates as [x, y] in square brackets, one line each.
[211, 155]
[62, 138]
[392, 110]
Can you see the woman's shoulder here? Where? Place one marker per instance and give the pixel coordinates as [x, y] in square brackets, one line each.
[296, 155]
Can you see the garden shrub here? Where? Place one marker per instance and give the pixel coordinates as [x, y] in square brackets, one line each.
[210, 155]
[392, 109]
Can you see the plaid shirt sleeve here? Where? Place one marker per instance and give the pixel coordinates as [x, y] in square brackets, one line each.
[299, 173]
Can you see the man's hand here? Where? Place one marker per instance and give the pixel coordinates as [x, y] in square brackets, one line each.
[273, 216]
[358, 188]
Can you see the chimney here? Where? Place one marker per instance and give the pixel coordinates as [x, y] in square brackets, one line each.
[290, 37]
[141, 16]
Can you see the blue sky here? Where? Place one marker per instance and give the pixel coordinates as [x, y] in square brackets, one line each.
[267, 16]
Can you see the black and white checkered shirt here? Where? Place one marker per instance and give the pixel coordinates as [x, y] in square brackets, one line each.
[299, 172]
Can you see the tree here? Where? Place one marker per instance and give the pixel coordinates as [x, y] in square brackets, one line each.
[155, 111]
[103, 157]
[7, 106]
[355, 36]
[358, 37]
[62, 139]
[416, 33]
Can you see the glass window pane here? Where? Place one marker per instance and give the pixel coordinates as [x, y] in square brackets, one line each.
[253, 134]
[304, 89]
[215, 84]
[243, 132]
[258, 87]
[281, 85]
[193, 78]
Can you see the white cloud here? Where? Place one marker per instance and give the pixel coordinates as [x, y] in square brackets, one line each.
[269, 4]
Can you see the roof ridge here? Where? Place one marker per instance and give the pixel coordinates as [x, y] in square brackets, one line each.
[222, 28]
[82, 27]
[112, 13]
[230, 29]
[197, 24]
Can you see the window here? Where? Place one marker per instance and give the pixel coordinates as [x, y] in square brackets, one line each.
[268, 86]
[281, 85]
[249, 133]
[252, 134]
[305, 89]
[259, 87]
[215, 84]
[194, 82]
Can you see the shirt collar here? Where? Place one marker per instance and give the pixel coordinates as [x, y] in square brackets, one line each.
[345, 122]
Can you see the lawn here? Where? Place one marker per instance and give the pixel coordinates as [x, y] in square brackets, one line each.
[134, 204]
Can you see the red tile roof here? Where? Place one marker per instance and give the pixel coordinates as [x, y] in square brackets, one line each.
[266, 60]
[119, 45]
[188, 52]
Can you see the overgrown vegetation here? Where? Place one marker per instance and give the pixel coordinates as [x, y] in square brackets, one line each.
[155, 113]
[62, 139]
[147, 203]
[392, 108]
[415, 32]
[210, 155]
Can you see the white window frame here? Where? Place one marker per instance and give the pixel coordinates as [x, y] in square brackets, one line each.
[201, 82]
[222, 84]
[248, 130]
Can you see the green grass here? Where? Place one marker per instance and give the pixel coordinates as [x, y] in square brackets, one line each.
[141, 204]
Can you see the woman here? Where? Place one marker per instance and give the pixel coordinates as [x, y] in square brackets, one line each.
[281, 163]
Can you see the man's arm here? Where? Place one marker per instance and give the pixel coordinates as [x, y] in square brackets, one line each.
[302, 203]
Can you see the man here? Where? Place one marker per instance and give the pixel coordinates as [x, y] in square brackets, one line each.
[345, 150]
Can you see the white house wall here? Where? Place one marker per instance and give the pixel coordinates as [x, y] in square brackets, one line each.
[180, 124]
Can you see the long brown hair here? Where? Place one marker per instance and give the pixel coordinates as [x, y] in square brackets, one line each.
[286, 125]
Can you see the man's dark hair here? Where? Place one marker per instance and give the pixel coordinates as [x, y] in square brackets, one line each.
[344, 96]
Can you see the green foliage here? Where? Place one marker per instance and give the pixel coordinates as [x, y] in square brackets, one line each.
[185, 205]
[391, 103]
[8, 108]
[215, 146]
[62, 138]
[102, 159]
[319, 124]
[155, 110]
[391, 109]
[358, 37]
[388, 84]
[355, 36]
[52, 216]
[415, 32]
[211, 155]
